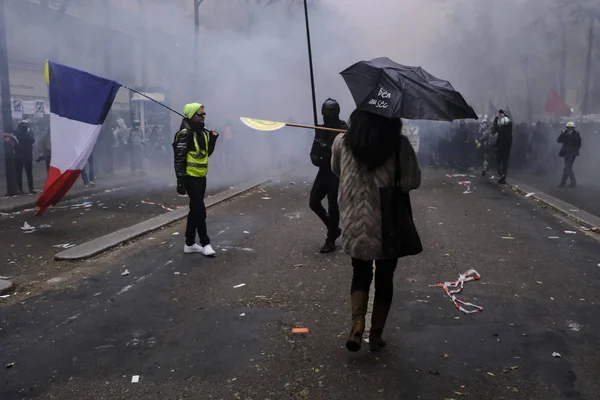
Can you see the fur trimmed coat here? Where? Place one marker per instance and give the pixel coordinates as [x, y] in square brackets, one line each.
[359, 200]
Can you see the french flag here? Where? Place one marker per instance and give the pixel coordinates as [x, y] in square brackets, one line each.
[79, 104]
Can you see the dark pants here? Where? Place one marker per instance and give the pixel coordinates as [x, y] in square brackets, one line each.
[568, 171]
[196, 220]
[384, 279]
[92, 175]
[502, 158]
[24, 162]
[326, 185]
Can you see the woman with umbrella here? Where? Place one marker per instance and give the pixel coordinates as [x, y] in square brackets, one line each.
[377, 167]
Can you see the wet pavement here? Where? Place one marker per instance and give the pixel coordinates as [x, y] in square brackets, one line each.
[29, 242]
[192, 327]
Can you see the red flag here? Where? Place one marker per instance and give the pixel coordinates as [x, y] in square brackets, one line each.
[556, 105]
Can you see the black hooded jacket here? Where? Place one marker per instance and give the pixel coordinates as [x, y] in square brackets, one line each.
[184, 142]
[320, 153]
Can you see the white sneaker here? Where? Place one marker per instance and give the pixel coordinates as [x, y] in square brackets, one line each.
[209, 251]
[195, 248]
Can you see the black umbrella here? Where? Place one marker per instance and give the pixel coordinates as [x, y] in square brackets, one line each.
[383, 87]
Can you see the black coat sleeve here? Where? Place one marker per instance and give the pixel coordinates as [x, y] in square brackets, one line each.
[180, 150]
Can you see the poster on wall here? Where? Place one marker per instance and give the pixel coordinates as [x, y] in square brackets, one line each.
[17, 108]
[29, 107]
[39, 108]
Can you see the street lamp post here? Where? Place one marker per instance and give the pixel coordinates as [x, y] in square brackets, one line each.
[7, 125]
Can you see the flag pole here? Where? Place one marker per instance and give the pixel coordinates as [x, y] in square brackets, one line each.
[156, 101]
[310, 61]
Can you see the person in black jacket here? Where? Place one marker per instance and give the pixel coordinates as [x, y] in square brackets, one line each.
[571, 143]
[503, 126]
[326, 183]
[24, 154]
[192, 147]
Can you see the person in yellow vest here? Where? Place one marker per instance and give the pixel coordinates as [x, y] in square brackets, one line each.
[192, 146]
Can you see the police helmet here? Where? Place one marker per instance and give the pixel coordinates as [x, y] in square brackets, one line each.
[330, 108]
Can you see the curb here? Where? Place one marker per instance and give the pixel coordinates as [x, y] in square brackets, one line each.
[5, 286]
[583, 218]
[96, 246]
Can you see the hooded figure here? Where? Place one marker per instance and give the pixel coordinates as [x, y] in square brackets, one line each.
[326, 183]
[571, 143]
[504, 127]
[24, 154]
[192, 146]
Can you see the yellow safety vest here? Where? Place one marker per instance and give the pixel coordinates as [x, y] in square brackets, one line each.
[197, 160]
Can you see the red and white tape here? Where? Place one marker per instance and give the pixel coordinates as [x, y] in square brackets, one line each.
[454, 288]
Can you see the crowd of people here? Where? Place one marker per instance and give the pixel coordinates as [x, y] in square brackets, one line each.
[533, 148]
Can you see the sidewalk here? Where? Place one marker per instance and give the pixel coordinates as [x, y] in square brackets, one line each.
[585, 196]
[16, 203]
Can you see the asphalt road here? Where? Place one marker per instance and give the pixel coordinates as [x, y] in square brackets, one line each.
[28, 253]
[184, 326]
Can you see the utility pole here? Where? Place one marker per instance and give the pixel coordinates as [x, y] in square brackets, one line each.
[143, 11]
[7, 125]
[196, 44]
[588, 69]
[108, 150]
[310, 62]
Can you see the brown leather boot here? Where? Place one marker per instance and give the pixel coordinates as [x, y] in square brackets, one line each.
[359, 301]
[380, 313]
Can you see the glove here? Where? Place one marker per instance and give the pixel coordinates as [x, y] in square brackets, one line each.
[181, 188]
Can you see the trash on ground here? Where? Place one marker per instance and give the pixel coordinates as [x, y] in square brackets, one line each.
[304, 265]
[557, 355]
[242, 314]
[176, 273]
[491, 374]
[470, 275]
[246, 232]
[539, 282]
[125, 273]
[175, 233]
[135, 379]
[239, 286]
[10, 365]
[514, 367]
[27, 227]
[5, 296]
[529, 194]
[266, 198]
[508, 237]
[300, 330]
[64, 246]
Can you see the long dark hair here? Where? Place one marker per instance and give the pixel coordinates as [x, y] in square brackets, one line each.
[372, 138]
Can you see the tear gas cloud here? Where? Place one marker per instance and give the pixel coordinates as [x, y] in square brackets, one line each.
[253, 58]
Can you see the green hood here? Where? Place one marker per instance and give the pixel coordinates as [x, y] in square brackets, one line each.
[190, 109]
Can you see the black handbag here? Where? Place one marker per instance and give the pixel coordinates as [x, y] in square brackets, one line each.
[398, 231]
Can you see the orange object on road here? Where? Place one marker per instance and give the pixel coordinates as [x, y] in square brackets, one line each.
[299, 330]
